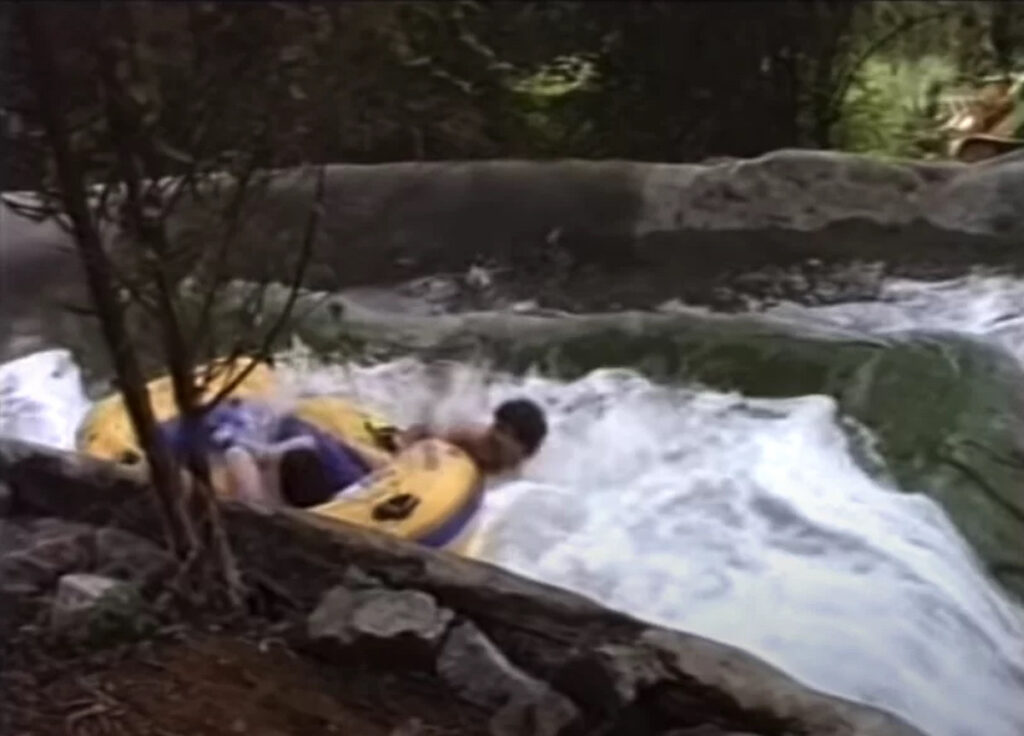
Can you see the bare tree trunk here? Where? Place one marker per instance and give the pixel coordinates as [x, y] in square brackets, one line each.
[49, 91]
[131, 111]
[213, 557]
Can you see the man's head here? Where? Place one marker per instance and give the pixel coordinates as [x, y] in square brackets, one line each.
[517, 432]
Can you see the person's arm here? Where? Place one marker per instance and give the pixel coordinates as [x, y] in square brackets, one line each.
[246, 479]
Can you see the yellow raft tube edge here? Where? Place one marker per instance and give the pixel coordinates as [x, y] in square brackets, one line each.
[429, 493]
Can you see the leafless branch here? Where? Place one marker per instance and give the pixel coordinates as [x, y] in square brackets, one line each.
[149, 232]
[48, 84]
[135, 291]
[231, 223]
[305, 255]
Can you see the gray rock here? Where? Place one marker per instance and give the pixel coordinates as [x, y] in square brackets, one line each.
[665, 219]
[757, 695]
[705, 731]
[710, 683]
[81, 595]
[610, 677]
[17, 586]
[129, 557]
[33, 555]
[5, 499]
[13, 536]
[410, 727]
[480, 673]
[731, 691]
[45, 549]
[47, 528]
[356, 578]
[402, 624]
[475, 668]
[543, 714]
[984, 199]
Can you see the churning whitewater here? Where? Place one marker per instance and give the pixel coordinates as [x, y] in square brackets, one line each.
[766, 524]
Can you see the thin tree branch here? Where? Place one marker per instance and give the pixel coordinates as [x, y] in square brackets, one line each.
[48, 83]
[308, 241]
[150, 232]
[231, 223]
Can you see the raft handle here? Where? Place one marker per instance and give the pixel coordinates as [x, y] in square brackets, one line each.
[129, 457]
[396, 508]
[386, 437]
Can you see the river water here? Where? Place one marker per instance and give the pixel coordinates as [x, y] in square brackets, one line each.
[760, 523]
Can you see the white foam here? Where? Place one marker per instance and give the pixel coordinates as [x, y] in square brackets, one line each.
[42, 398]
[977, 304]
[744, 521]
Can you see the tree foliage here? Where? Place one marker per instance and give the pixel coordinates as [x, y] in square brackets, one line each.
[117, 161]
[375, 81]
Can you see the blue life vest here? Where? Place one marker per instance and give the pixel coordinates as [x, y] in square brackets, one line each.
[235, 420]
[221, 427]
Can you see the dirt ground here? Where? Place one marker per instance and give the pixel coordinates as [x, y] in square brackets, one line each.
[212, 684]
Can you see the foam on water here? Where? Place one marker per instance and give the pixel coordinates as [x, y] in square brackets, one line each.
[977, 304]
[750, 522]
[744, 521]
[42, 398]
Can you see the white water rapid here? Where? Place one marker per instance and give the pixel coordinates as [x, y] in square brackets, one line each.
[748, 521]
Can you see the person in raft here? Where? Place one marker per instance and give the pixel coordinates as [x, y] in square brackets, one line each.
[274, 459]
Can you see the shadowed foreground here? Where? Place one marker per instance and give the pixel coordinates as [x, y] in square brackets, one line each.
[209, 684]
[457, 635]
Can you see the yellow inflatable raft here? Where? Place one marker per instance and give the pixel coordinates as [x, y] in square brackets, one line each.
[106, 432]
[429, 492]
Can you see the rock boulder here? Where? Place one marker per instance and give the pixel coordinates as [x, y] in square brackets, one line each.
[595, 229]
[391, 625]
[537, 629]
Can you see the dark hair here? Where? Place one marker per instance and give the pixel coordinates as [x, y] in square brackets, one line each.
[304, 480]
[525, 421]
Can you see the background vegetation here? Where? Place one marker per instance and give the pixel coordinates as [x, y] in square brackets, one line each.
[664, 81]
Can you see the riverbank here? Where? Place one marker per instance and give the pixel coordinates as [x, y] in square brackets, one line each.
[214, 679]
[577, 235]
[532, 659]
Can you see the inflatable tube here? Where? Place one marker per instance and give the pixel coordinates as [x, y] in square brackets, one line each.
[433, 488]
[106, 431]
[444, 480]
[359, 429]
[429, 492]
